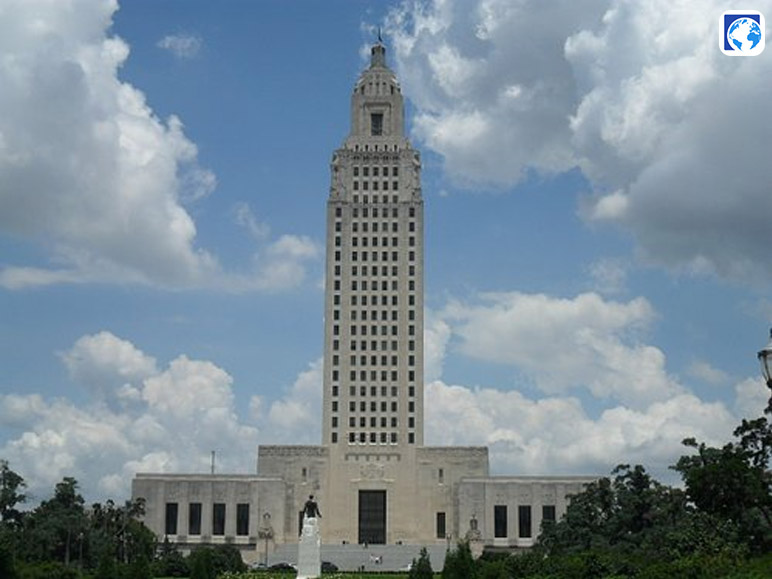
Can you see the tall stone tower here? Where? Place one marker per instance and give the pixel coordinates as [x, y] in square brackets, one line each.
[376, 481]
[373, 334]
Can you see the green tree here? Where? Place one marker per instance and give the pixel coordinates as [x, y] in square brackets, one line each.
[733, 483]
[7, 562]
[56, 529]
[227, 558]
[201, 564]
[170, 562]
[459, 563]
[116, 531]
[11, 485]
[422, 567]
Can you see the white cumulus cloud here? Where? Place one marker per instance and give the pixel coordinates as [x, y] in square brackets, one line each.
[84, 162]
[670, 131]
[557, 435]
[177, 416]
[92, 176]
[566, 343]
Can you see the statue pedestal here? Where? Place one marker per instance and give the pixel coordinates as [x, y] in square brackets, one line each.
[309, 550]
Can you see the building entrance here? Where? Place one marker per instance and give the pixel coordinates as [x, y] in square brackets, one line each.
[372, 517]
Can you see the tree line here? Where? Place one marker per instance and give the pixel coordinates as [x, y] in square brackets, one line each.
[62, 538]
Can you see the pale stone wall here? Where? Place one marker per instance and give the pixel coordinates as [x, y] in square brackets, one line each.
[478, 497]
[441, 470]
[262, 494]
[304, 471]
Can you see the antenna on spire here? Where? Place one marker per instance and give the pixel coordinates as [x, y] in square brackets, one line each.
[380, 38]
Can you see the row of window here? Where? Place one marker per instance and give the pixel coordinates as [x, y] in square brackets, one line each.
[352, 406]
[336, 329]
[524, 531]
[384, 360]
[384, 422]
[375, 147]
[368, 226]
[374, 271]
[363, 285]
[377, 438]
[363, 315]
[384, 186]
[363, 362]
[373, 376]
[217, 524]
[352, 391]
[367, 241]
[355, 241]
[375, 213]
[373, 346]
[382, 159]
[374, 255]
[384, 171]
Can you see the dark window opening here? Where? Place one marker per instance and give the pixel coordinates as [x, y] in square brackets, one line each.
[500, 521]
[242, 519]
[194, 519]
[218, 519]
[440, 525]
[376, 124]
[171, 519]
[524, 521]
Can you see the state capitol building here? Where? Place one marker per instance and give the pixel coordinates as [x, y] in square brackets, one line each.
[375, 481]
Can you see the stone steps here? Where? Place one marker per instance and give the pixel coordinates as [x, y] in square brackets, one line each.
[372, 557]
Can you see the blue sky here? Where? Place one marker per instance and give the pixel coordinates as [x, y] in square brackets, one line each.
[597, 228]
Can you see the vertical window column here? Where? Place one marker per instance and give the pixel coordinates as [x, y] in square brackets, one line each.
[440, 527]
[524, 521]
[218, 519]
[170, 527]
[242, 519]
[500, 521]
[194, 519]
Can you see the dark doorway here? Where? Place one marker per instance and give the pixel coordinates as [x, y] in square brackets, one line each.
[372, 517]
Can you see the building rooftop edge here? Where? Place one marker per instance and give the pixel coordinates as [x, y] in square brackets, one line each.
[531, 478]
[205, 476]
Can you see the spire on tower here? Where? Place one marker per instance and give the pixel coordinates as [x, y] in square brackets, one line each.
[378, 53]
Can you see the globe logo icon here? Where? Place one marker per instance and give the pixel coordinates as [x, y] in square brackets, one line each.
[744, 34]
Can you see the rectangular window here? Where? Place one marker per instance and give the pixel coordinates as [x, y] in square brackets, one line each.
[500, 521]
[440, 525]
[376, 124]
[194, 519]
[242, 519]
[548, 513]
[524, 521]
[171, 519]
[218, 519]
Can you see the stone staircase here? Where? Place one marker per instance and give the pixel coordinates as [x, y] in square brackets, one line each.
[369, 558]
